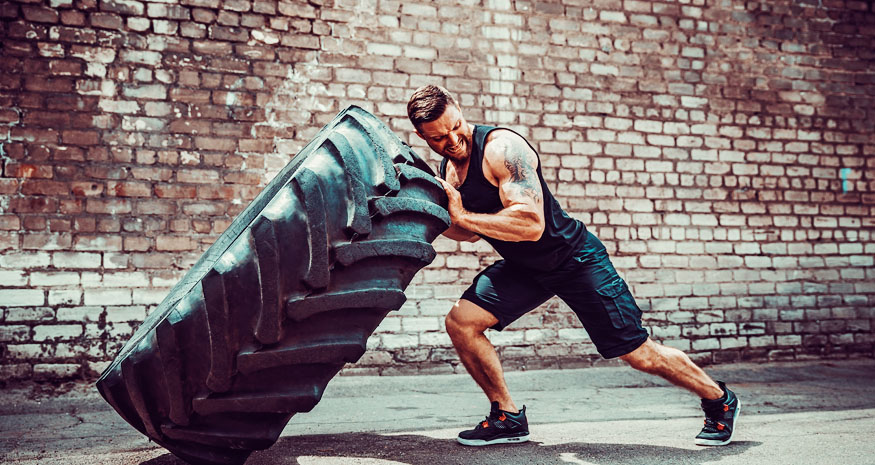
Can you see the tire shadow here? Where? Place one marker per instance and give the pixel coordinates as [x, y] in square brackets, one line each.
[411, 449]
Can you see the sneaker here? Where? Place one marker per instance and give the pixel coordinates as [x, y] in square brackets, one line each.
[721, 416]
[500, 427]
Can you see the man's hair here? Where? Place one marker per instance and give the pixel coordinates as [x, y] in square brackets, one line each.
[428, 103]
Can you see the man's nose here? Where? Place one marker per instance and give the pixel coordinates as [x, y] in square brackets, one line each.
[454, 139]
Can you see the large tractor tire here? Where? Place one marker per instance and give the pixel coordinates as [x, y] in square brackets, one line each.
[285, 297]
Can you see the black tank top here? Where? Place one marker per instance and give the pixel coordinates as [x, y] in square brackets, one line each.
[562, 235]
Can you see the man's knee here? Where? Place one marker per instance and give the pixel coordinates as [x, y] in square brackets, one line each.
[465, 318]
[647, 358]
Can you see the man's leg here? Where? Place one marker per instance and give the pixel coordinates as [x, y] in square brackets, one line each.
[675, 366]
[466, 324]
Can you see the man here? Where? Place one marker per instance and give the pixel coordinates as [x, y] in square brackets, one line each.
[493, 180]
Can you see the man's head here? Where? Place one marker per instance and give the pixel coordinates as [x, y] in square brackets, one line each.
[438, 120]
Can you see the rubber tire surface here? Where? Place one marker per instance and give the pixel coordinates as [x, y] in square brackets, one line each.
[287, 295]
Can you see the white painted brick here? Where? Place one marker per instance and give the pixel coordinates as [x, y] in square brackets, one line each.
[14, 333]
[56, 332]
[120, 314]
[420, 324]
[65, 296]
[107, 297]
[21, 297]
[119, 330]
[436, 307]
[12, 278]
[572, 334]
[25, 260]
[399, 341]
[384, 49]
[73, 260]
[80, 314]
[90, 279]
[55, 370]
[39, 279]
[390, 324]
[612, 16]
[435, 339]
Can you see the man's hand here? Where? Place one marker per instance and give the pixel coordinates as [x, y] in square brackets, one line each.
[456, 232]
[457, 211]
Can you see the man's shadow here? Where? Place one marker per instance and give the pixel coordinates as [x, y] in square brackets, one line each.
[411, 449]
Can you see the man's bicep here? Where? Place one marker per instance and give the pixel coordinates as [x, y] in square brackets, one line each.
[516, 169]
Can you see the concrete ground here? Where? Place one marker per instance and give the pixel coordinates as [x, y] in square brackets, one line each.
[792, 413]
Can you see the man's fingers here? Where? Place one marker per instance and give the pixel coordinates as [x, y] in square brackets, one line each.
[447, 186]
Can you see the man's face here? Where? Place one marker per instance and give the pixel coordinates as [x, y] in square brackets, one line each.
[449, 136]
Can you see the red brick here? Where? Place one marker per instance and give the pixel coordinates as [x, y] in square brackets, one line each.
[108, 225]
[190, 126]
[34, 187]
[128, 189]
[46, 241]
[70, 206]
[136, 244]
[106, 21]
[154, 207]
[80, 137]
[9, 116]
[86, 188]
[245, 177]
[175, 192]
[34, 223]
[152, 174]
[68, 154]
[39, 14]
[34, 205]
[212, 47]
[18, 170]
[9, 186]
[85, 224]
[10, 222]
[107, 172]
[234, 34]
[8, 10]
[198, 176]
[72, 18]
[65, 68]
[45, 84]
[173, 243]
[59, 225]
[38, 152]
[50, 119]
[215, 143]
[189, 95]
[108, 206]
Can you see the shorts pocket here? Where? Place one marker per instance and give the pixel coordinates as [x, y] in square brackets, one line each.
[618, 303]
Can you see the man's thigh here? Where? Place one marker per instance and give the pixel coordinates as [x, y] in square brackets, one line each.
[591, 286]
[507, 292]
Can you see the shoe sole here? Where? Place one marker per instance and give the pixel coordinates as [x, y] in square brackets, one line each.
[712, 442]
[483, 442]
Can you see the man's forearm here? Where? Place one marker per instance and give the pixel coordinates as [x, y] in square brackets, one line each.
[513, 224]
[457, 233]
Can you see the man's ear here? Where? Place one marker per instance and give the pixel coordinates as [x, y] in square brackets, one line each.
[416, 131]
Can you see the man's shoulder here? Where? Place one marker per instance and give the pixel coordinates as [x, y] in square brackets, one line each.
[501, 143]
[502, 136]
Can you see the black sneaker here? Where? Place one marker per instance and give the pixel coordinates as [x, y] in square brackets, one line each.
[721, 417]
[500, 427]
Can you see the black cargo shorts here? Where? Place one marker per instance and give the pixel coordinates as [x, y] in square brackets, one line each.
[587, 282]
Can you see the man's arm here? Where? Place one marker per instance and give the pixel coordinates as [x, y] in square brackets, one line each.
[457, 233]
[513, 165]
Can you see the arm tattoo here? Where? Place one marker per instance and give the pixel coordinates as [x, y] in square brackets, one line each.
[523, 175]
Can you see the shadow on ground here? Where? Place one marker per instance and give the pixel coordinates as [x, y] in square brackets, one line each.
[375, 449]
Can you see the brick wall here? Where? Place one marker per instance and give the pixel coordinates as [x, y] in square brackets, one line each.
[723, 150]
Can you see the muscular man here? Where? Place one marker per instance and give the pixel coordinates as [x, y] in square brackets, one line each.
[493, 179]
